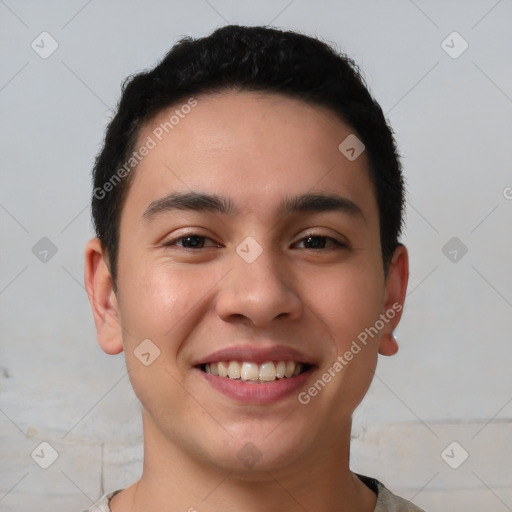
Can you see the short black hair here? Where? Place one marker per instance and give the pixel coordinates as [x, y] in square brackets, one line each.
[244, 58]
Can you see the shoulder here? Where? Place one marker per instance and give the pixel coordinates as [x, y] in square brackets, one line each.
[386, 500]
[389, 502]
[102, 505]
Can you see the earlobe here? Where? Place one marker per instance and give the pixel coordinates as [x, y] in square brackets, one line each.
[99, 286]
[388, 345]
[394, 298]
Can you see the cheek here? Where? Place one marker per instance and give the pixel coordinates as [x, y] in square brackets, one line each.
[155, 297]
[164, 304]
[349, 306]
[347, 301]
[356, 310]
[155, 301]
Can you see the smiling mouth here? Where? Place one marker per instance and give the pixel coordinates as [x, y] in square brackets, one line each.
[244, 371]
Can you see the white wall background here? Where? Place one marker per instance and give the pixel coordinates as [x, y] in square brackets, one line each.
[452, 378]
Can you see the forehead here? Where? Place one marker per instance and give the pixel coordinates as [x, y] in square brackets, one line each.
[258, 147]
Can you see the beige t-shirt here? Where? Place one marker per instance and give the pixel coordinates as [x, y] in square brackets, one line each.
[386, 500]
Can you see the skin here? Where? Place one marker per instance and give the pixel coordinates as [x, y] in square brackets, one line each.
[191, 302]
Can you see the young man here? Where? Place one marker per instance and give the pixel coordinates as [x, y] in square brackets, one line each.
[248, 202]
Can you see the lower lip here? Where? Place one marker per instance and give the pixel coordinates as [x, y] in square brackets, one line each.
[258, 393]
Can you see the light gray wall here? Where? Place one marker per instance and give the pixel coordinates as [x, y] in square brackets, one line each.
[451, 380]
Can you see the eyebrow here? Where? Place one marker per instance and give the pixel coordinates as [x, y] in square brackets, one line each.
[302, 203]
[320, 202]
[193, 201]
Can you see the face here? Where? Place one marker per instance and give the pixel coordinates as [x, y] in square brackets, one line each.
[250, 246]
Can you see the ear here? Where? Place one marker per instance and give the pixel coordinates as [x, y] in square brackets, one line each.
[394, 298]
[105, 308]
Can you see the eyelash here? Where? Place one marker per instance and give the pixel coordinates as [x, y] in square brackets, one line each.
[338, 245]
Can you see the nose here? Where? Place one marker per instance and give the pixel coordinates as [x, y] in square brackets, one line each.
[258, 293]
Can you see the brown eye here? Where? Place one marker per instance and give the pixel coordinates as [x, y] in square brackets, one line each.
[190, 242]
[317, 242]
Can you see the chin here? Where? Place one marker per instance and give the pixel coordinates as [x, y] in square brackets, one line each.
[252, 457]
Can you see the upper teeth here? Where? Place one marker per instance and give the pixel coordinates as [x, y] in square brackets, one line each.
[268, 371]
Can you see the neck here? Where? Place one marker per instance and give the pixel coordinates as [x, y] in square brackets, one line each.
[175, 480]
